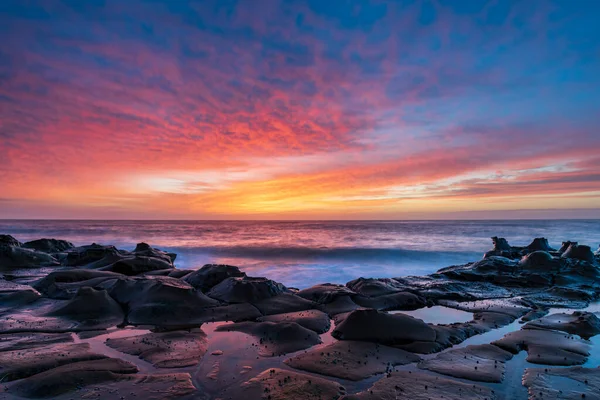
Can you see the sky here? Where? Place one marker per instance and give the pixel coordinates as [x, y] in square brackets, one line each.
[270, 109]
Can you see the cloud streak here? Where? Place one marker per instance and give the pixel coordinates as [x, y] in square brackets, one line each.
[299, 108]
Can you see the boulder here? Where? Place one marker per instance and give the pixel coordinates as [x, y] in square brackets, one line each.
[18, 257]
[145, 250]
[160, 301]
[325, 293]
[92, 309]
[380, 327]
[579, 252]
[540, 261]
[540, 244]
[49, 245]
[65, 284]
[374, 287]
[8, 240]
[138, 265]
[566, 245]
[95, 254]
[211, 275]
[246, 290]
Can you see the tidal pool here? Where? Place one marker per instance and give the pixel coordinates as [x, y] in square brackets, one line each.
[439, 315]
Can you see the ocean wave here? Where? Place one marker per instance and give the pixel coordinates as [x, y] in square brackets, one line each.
[341, 253]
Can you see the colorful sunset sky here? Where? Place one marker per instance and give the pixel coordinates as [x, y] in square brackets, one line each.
[265, 109]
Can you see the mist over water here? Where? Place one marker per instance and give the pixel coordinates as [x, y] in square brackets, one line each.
[302, 253]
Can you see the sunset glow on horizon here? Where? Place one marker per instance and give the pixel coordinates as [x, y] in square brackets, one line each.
[299, 109]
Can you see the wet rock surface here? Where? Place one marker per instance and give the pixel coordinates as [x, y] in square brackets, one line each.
[420, 386]
[164, 349]
[96, 321]
[351, 359]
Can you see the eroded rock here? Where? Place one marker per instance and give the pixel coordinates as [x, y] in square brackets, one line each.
[211, 275]
[174, 349]
[584, 324]
[276, 338]
[421, 386]
[314, 320]
[351, 359]
[246, 290]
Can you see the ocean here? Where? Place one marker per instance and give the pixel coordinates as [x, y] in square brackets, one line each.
[302, 253]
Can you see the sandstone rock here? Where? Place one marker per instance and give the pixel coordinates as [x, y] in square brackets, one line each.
[14, 295]
[211, 275]
[540, 244]
[351, 359]
[137, 265]
[174, 349]
[276, 338]
[380, 327]
[393, 301]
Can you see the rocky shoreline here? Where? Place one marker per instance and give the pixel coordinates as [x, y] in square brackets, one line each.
[99, 322]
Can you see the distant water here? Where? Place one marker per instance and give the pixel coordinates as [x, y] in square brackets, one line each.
[301, 254]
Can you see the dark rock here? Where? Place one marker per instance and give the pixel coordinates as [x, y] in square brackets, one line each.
[7, 240]
[18, 364]
[145, 250]
[540, 244]
[283, 303]
[159, 300]
[314, 320]
[96, 254]
[374, 287]
[581, 323]
[93, 309]
[49, 245]
[65, 284]
[325, 293]
[137, 265]
[484, 363]
[29, 340]
[14, 295]
[546, 347]
[276, 338]
[210, 275]
[280, 384]
[393, 301]
[540, 261]
[174, 349]
[579, 252]
[351, 360]
[562, 383]
[380, 327]
[19, 257]
[72, 377]
[421, 386]
[565, 246]
[246, 290]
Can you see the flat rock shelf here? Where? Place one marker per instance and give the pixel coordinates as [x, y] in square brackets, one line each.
[98, 322]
